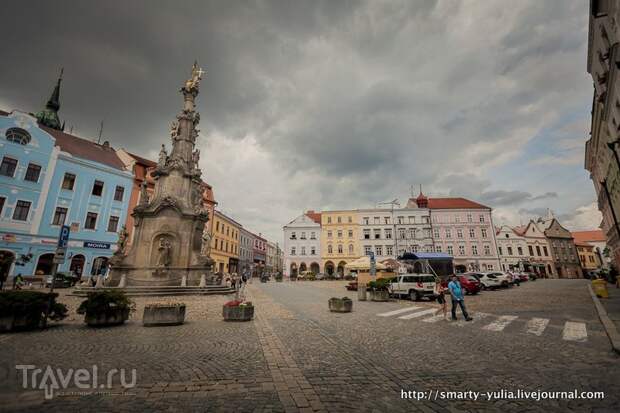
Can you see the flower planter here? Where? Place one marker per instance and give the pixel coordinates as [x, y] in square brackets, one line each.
[380, 296]
[19, 322]
[163, 315]
[238, 313]
[114, 317]
[340, 305]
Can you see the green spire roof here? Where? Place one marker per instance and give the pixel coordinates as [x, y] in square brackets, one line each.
[49, 115]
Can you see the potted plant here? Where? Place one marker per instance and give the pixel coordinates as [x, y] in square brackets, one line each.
[340, 305]
[237, 310]
[379, 290]
[25, 310]
[167, 314]
[106, 308]
[279, 277]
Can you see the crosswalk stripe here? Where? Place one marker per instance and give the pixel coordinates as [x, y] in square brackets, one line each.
[434, 318]
[500, 323]
[402, 310]
[475, 316]
[418, 314]
[574, 331]
[536, 326]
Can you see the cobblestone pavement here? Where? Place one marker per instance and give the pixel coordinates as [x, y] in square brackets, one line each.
[297, 356]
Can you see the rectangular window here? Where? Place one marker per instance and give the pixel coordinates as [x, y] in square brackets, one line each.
[350, 233]
[401, 233]
[329, 220]
[481, 218]
[448, 233]
[401, 220]
[366, 234]
[367, 249]
[538, 250]
[387, 221]
[459, 233]
[377, 233]
[509, 250]
[59, 216]
[292, 250]
[438, 248]
[303, 250]
[339, 234]
[91, 220]
[377, 220]
[472, 233]
[2, 200]
[474, 250]
[469, 218]
[388, 235]
[329, 234]
[483, 232]
[312, 235]
[450, 250]
[339, 248]
[389, 250]
[487, 250]
[118, 193]
[520, 250]
[436, 232]
[8, 166]
[350, 219]
[113, 224]
[21, 211]
[32, 173]
[462, 249]
[312, 251]
[379, 250]
[547, 252]
[293, 235]
[97, 188]
[501, 251]
[366, 220]
[303, 235]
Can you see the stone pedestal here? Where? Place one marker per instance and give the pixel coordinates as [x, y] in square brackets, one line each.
[184, 281]
[361, 292]
[203, 281]
[123, 282]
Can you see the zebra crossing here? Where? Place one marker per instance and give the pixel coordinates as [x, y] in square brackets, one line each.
[536, 326]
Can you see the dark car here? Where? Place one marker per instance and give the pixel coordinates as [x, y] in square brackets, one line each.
[523, 277]
[63, 280]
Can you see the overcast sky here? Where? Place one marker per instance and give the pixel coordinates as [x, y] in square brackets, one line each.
[329, 104]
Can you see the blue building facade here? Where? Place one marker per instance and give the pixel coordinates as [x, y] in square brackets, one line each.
[48, 179]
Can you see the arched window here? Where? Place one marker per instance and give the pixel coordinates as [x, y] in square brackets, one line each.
[329, 249]
[339, 248]
[350, 249]
[17, 135]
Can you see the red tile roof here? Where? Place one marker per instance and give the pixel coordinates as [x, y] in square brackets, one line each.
[454, 203]
[315, 216]
[85, 149]
[520, 230]
[143, 161]
[596, 235]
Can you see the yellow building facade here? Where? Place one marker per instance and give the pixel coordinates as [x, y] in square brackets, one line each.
[588, 258]
[225, 243]
[339, 240]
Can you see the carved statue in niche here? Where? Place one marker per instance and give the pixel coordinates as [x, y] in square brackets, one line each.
[123, 236]
[165, 252]
[174, 130]
[206, 244]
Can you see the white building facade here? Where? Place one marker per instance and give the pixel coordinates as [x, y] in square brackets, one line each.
[512, 249]
[302, 246]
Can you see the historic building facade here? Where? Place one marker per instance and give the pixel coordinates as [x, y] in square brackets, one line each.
[246, 251]
[302, 245]
[259, 254]
[539, 250]
[388, 233]
[512, 249]
[465, 230]
[225, 243]
[49, 178]
[563, 251]
[597, 239]
[340, 240]
[602, 157]
[588, 257]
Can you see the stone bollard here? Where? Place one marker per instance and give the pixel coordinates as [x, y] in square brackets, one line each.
[184, 281]
[203, 281]
[361, 292]
[123, 282]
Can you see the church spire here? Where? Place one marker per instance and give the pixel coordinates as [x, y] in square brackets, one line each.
[49, 115]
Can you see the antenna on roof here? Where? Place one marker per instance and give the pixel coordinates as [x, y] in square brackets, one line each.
[100, 132]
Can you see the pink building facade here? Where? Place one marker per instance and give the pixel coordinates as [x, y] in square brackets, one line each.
[465, 230]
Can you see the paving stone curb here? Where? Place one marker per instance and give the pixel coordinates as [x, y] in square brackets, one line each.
[610, 327]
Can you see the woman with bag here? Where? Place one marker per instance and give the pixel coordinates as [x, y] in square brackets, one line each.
[439, 293]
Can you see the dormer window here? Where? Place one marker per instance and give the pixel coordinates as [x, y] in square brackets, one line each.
[18, 135]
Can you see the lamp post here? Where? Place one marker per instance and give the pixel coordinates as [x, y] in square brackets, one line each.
[395, 235]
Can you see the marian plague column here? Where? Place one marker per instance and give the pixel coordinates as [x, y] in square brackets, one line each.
[170, 245]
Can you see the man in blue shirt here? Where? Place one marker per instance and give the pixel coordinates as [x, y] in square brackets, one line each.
[456, 291]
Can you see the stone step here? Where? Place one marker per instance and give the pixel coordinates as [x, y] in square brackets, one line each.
[160, 291]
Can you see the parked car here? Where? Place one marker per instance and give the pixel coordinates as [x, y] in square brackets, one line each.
[63, 280]
[504, 278]
[488, 281]
[523, 277]
[531, 276]
[320, 276]
[352, 286]
[415, 286]
[470, 283]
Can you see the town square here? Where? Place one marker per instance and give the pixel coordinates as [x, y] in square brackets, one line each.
[266, 206]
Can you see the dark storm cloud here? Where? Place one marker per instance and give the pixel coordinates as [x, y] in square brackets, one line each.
[337, 103]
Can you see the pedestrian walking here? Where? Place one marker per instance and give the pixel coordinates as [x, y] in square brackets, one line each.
[18, 281]
[456, 291]
[440, 292]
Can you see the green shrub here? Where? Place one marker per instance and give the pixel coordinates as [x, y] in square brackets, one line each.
[31, 305]
[380, 284]
[105, 302]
